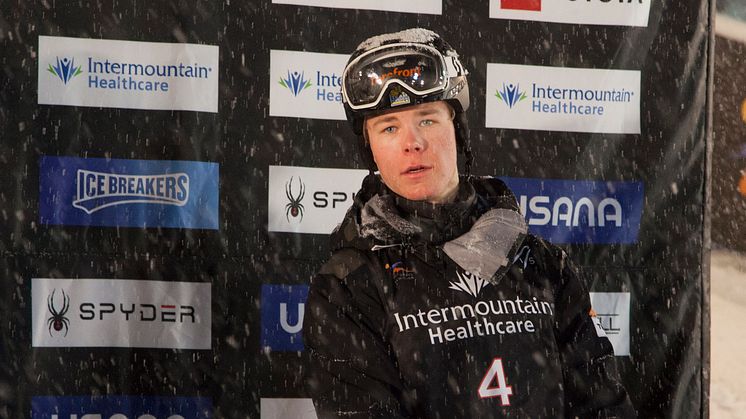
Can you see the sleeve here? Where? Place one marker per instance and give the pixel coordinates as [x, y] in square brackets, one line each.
[352, 372]
[593, 388]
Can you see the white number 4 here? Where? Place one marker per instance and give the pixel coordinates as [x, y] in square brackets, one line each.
[502, 390]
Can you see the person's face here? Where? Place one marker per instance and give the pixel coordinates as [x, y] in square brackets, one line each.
[415, 150]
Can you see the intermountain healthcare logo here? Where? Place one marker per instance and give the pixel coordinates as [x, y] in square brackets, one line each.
[287, 408]
[570, 211]
[283, 307]
[295, 82]
[306, 84]
[468, 283]
[65, 69]
[612, 314]
[308, 199]
[120, 407]
[127, 74]
[410, 6]
[510, 94]
[563, 99]
[128, 193]
[120, 313]
[589, 12]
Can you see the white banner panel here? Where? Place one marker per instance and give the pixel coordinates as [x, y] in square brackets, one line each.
[127, 74]
[563, 99]
[310, 200]
[612, 312]
[433, 7]
[120, 313]
[589, 12]
[287, 409]
[306, 84]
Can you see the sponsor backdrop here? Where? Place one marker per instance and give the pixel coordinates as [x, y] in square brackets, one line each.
[172, 174]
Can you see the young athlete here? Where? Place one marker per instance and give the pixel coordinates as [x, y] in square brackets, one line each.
[436, 302]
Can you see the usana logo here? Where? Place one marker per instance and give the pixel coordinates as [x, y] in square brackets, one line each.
[65, 69]
[295, 82]
[510, 94]
[294, 208]
[57, 320]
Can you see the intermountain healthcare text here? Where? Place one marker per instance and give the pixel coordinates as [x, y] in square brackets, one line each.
[475, 327]
[124, 72]
[562, 100]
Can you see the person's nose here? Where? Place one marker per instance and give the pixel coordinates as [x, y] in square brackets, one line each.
[413, 141]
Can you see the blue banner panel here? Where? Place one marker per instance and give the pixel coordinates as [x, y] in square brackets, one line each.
[72, 407]
[128, 193]
[572, 211]
[282, 316]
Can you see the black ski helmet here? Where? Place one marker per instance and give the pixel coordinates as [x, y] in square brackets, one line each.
[402, 69]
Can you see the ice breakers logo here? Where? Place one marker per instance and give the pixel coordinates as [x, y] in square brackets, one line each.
[313, 89]
[120, 407]
[568, 211]
[127, 74]
[295, 82]
[128, 193]
[101, 190]
[563, 99]
[65, 69]
[590, 12]
[468, 283]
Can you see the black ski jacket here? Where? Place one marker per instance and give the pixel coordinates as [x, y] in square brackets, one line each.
[453, 311]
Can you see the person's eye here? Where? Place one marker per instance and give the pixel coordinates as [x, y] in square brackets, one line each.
[389, 130]
[427, 122]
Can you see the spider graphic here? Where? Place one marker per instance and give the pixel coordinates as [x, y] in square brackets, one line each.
[294, 208]
[58, 320]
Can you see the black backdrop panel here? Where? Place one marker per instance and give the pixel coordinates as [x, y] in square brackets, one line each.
[664, 270]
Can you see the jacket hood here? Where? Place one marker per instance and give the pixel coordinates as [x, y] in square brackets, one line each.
[379, 217]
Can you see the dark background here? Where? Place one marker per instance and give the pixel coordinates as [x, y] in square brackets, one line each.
[666, 272]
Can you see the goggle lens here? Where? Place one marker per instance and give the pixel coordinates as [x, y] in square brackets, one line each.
[418, 71]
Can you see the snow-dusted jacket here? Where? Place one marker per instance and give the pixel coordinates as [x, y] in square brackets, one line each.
[453, 311]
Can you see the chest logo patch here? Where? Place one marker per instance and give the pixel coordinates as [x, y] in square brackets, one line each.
[401, 270]
[469, 283]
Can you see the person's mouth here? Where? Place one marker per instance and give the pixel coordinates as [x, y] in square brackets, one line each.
[416, 169]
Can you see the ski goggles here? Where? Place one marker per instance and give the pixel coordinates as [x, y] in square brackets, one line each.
[420, 69]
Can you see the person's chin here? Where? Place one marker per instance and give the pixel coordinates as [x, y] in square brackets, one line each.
[416, 195]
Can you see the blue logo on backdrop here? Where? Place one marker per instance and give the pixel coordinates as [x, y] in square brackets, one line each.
[128, 193]
[282, 316]
[295, 82]
[131, 407]
[65, 69]
[511, 94]
[569, 211]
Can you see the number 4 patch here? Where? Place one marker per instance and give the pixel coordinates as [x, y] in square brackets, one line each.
[502, 390]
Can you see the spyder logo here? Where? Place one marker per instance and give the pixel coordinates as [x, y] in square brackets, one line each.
[58, 320]
[294, 208]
